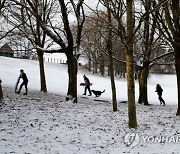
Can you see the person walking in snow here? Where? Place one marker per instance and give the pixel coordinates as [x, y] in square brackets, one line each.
[87, 85]
[159, 91]
[22, 76]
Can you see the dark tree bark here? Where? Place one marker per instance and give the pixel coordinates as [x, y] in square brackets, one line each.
[1, 92]
[89, 64]
[72, 71]
[142, 77]
[66, 42]
[148, 37]
[111, 61]
[176, 47]
[95, 67]
[171, 26]
[42, 72]
[102, 66]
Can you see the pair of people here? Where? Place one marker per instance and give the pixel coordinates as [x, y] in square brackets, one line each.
[22, 76]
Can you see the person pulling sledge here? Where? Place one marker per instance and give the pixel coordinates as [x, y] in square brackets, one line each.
[87, 85]
[22, 76]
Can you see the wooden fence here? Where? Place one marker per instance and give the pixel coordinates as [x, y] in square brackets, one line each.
[55, 60]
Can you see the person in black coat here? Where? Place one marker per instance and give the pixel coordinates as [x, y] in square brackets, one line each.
[87, 85]
[23, 76]
[159, 91]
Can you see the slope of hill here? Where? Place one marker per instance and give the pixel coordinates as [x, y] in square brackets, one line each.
[42, 123]
[57, 80]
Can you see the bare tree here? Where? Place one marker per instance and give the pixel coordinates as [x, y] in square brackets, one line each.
[111, 61]
[63, 36]
[2, 5]
[169, 20]
[130, 65]
[94, 43]
[31, 30]
[149, 40]
[127, 31]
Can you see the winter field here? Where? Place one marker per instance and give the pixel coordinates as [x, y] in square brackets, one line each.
[47, 124]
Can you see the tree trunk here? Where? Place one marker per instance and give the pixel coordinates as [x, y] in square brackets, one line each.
[113, 87]
[93, 68]
[89, 64]
[1, 93]
[130, 67]
[42, 73]
[142, 77]
[177, 66]
[131, 90]
[111, 62]
[72, 72]
[96, 67]
[109, 69]
[102, 64]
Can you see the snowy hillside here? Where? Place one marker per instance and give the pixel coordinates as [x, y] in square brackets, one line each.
[57, 80]
[44, 123]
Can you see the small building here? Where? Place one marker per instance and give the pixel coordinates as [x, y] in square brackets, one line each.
[6, 51]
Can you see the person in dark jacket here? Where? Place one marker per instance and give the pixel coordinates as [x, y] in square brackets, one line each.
[159, 91]
[87, 85]
[24, 83]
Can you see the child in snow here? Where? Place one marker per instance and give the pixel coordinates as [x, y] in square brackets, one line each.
[159, 91]
[24, 83]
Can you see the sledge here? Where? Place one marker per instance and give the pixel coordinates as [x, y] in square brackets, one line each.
[83, 84]
[124, 102]
[100, 100]
[17, 83]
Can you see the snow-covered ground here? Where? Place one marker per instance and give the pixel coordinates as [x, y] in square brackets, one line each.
[57, 80]
[45, 123]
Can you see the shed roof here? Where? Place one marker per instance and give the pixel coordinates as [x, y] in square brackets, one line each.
[6, 49]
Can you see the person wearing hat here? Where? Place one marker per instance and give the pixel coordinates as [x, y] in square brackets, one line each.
[23, 76]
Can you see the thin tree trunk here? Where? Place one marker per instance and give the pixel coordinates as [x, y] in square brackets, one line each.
[42, 73]
[178, 83]
[101, 68]
[96, 67]
[72, 71]
[111, 62]
[130, 67]
[1, 92]
[89, 64]
[113, 87]
[93, 67]
[177, 66]
[142, 77]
